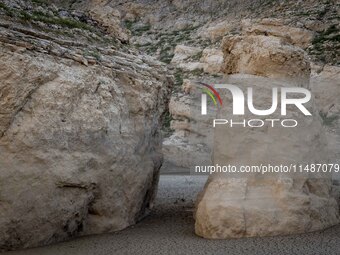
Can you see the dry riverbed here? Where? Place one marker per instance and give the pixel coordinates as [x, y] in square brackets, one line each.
[169, 229]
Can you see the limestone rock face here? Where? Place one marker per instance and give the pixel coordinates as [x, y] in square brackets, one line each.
[80, 148]
[256, 205]
[189, 59]
[266, 56]
[110, 19]
[275, 27]
[233, 206]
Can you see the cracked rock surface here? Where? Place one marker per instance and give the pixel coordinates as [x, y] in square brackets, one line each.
[80, 147]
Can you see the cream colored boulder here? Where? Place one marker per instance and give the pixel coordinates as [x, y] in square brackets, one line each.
[80, 146]
[246, 205]
[275, 27]
[325, 83]
[253, 204]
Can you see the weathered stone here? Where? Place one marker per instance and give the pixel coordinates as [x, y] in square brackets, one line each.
[266, 56]
[212, 60]
[215, 32]
[190, 144]
[110, 19]
[252, 204]
[325, 85]
[80, 148]
[183, 52]
[191, 66]
[275, 27]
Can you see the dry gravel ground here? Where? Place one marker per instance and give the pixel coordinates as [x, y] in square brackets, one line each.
[169, 229]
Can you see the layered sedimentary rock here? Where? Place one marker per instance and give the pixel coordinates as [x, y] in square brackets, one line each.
[80, 147]
[234, 206]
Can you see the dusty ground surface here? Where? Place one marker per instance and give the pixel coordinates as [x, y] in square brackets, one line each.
[169, 229]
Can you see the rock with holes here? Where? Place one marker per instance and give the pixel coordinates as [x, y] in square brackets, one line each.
[80, 148]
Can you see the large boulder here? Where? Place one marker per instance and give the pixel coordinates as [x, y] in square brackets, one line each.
[266, 56]
[253, 204]
[80, 147]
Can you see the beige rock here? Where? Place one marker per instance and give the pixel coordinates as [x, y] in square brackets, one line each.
[134, 11]
[233, 206]
[80, 148]
[260, 205]
[212, 60]
[185, 58]
[191, 142]
[182, 23]
[275, 27]
[187, 86]
[110, 19]
[325, 85]
[266, 56]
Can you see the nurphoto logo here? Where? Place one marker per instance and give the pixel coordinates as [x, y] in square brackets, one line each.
[287, 96]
